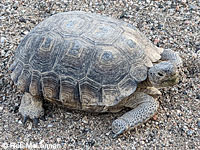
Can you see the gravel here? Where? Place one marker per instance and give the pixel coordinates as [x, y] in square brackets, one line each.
[168, 24]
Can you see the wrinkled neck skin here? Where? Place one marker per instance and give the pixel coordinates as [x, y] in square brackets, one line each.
[145, 83]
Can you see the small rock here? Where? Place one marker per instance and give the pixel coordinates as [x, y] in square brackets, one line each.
[148, 1]
[3, 53]
[185, 128]
[16, 108]
[26, 32]
[2, 17]
[21, 19]
[190, 132]
[168, 2]
[155, 117]
[102, 7]
[85, 120]
[1, 108]
[156, 41]
[3, 39]
[30, 126]
[160, 6]
[198, 3]
[198, 96]
[142, 142]
[179, 113]
[20, 122]
[160, 26]
[108, 133]
[41, 142]
[90, 143]
[58, 140]
[192, 6]
[4, 98]
[49, 126]
[123, 15]
[85, 130]
[16, 5]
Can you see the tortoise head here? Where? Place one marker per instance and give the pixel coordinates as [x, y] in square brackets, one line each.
[163, 74]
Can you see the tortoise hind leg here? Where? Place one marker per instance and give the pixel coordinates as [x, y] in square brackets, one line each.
[31, 107]
[144, 107]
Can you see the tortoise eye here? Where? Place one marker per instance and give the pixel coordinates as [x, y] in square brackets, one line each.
[160, 74]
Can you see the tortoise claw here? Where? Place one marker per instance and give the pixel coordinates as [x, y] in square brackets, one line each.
[24, 119]
[35, 122]
[115, 135]
[31, 108]
[119, 126]
[43, 118]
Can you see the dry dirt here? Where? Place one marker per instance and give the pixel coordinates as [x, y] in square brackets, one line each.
[168, 24]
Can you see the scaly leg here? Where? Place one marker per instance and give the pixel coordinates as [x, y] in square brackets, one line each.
[144, 107]
[173, 57]
[31, 107]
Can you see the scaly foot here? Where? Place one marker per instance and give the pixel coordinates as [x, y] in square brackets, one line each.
[31, 107]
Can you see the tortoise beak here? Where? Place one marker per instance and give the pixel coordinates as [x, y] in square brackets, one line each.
[174, 79]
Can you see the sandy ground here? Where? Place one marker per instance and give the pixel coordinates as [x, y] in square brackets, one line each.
[168, 24]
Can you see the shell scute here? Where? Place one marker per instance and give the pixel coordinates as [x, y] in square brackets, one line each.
[75, 58]
[109, 66]
[50, 86]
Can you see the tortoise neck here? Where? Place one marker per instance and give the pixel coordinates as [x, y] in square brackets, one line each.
[145, 83]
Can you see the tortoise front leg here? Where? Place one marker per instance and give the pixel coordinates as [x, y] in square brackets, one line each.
[144, 107]
[31, 107]
[173, 57]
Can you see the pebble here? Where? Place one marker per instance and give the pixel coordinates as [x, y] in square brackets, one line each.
[148, 1]
[102, 7]
[2, 17]
[173, 23]
[41, 142]
[85, 120]
[168, 2]
[198, 3]
[20, 122]
[26, 32]
[184, 1]
[142, 142]
[50, 125]
[192, 6]
[1, 108]
[4, 98]
[3, 53]
[30, 125]
[198, 96]
[155, 117]
[58, 140]
[21, 19]
[190, 132]
[3, 39]
[107, 133]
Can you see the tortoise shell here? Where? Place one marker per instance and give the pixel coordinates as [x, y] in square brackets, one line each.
[83, 60]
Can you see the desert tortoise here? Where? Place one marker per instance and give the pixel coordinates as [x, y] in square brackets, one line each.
[93, 63]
